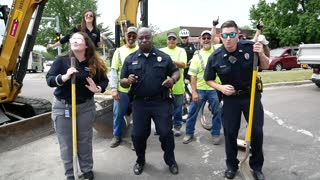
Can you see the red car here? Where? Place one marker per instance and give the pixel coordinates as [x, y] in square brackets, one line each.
[283, 58]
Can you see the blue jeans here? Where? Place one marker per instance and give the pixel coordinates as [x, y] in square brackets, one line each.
[177, 115]
[212, 98]
[119, 109]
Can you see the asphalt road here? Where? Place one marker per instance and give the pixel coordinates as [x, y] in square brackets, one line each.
[291, 147]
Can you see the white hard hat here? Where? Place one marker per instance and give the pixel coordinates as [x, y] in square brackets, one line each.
[184, 33]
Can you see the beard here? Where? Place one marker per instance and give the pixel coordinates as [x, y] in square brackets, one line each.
[206, 46]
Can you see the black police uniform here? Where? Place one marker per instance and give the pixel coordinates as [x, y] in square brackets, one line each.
[151, 100]
[94, 35]
[236, 69]
[190, 49]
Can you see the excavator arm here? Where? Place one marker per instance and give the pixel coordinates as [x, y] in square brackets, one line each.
[12, 68]
[128, 17]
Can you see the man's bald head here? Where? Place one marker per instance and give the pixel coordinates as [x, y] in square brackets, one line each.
[145, 39]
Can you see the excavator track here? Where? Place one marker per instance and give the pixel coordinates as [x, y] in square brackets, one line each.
[23, 107]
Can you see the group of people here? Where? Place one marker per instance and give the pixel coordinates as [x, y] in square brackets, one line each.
[152, 81]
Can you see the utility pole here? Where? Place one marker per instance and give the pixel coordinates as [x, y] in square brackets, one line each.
[56, 19]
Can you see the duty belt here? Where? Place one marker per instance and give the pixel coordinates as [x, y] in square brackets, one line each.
[148, 98]
[241, 92]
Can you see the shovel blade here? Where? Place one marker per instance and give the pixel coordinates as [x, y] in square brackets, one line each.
[245, 171]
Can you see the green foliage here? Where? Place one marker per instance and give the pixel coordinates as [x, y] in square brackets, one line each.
[70, 14]
[160, 40]
[288, 22]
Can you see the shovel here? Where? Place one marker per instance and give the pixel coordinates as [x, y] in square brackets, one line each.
[243, 166]
[74, 121]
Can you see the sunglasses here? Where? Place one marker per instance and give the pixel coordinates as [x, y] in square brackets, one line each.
[133, 36]
[204, 38]
[88, 15]
[231, 35]
[172, 38]
[75, 40]
[183, 37]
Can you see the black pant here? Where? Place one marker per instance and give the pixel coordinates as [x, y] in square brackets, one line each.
[232, 108]
[160, 111]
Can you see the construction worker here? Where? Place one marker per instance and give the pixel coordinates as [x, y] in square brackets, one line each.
[215, 39]
[150, 73]
[233, 63]
[120, 94]
[201, 92]
[179, 58]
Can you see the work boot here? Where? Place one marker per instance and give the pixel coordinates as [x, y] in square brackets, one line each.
[176, 132]
[88, 175]
[216, 140]
[115, 142]
[187, 139]
[70, 178]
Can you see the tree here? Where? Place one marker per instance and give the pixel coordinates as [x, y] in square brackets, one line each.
[70, 14]
[288, 22]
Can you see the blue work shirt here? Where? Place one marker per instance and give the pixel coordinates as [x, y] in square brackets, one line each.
[151, 70]
[234, 68]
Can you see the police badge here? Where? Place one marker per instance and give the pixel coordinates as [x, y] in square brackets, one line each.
[246, 56]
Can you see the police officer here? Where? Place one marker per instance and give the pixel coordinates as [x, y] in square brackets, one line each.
[233, 62]
[189, 47]
[147, 71]
[184, 35]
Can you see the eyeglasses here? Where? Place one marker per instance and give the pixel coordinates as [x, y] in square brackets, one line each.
[204, 38]
[88, 15]
[183, 37]
[76, 40]
[231, 35]
[133, 36]
[172, 38]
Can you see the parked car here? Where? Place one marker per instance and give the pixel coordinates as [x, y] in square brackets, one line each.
[283, 58]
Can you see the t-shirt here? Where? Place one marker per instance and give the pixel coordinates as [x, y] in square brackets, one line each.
[117, 61]
[180, 55]
[197, 67]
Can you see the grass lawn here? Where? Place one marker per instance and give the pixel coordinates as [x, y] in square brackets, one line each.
[285, 76]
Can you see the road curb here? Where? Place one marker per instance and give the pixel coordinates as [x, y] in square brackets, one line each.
[292, 83]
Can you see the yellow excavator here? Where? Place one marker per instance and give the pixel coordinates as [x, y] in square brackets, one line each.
[23, 119]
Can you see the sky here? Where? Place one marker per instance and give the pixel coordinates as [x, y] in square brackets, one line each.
[167, 14]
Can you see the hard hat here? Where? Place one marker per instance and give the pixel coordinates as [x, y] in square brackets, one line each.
[184, 33]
